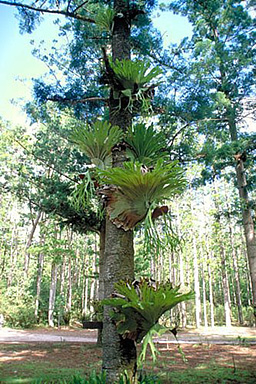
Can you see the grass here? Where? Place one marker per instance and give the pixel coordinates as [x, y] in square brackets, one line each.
[210, 375]
[53, 362]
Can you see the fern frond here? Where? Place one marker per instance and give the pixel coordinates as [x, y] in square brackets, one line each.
[143, 305]
[97, 141]
[137, 72]
[105, 18]
[145, 144]
[136, 191]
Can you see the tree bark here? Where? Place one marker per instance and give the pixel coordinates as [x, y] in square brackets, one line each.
[119, 354]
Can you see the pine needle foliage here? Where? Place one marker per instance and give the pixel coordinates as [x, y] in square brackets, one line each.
[139, 306]
[136, 192]
[145, 144]
[97, 141]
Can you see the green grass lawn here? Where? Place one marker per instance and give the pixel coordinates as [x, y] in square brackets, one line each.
[55, 363]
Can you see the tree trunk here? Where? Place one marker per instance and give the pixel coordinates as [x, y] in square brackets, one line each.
[248, 223]
[13, 256]
[39, 279]
[52, 294]
[248, 227]
[93, 287]
[196, 285]
[29, 242]
[119, 355]
[204, 297]
[85, 294]
[236, 276]
[211, 292]
[225, 285]
[69, 298]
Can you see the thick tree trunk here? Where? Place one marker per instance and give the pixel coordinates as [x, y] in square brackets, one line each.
[119, 355]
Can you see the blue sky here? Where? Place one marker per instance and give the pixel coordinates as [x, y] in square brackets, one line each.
[18, 66]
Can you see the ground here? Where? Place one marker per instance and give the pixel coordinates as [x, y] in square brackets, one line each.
[207, 355]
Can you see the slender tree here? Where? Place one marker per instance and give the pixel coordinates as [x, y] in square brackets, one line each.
[223, 46]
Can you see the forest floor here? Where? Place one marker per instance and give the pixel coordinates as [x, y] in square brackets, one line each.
[217, 355]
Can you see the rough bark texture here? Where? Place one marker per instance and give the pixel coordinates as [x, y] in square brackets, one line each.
[119, 355]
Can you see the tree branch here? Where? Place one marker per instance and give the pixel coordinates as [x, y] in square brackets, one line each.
[77, 101]
[44, 162]
[177, 134]
[52, 11]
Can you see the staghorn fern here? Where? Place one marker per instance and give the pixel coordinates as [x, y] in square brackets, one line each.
[145, 144]
[139, 306]
[132, 82]
[133, 74]
[105, 19]
[97, 141]
[135, 192]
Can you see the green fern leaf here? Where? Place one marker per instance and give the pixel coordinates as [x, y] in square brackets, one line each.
[136, 192]
[134, 73]
[143, 305]
[105, 19]
[97, 141]
[145, 144]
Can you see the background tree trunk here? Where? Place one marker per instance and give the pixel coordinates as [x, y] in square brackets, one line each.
[196, 284]
[52, 293]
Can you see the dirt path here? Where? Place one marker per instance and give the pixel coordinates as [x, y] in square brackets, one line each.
[217, 335]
